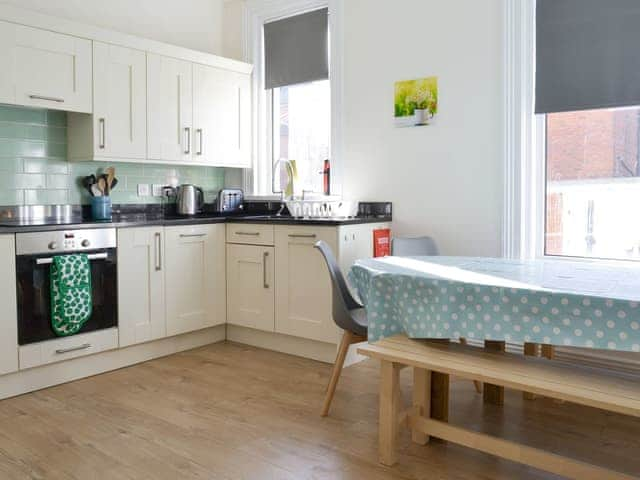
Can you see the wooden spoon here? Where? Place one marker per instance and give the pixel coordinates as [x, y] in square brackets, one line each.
[102, 185]
[111, 173]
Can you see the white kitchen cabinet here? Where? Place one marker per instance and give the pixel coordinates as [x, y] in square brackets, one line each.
[169, 109]
[9, 317]
[141, 285]
[303, 286]
[45, 69]
[250, 286]
[195, 277]
[221, 117]
[117, 130]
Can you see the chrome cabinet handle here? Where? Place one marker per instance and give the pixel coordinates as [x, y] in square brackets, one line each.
[187, 141]
[251, 234]
[158, 245]
[84, 346]
[200, 135]
[48, 99]
[192, 235]
[302, 235]
[265, 283]
[92, 256]
[103, 134]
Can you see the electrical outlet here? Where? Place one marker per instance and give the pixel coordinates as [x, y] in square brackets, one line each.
[156, 190]
[144, 190]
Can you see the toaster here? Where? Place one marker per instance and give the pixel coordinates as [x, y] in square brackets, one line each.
[230, 200]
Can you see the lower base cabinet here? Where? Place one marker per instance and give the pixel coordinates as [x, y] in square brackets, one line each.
[303, 285]
[294, 296]
[141, 289]
[195, 277]
[8, 324]
[250, 283]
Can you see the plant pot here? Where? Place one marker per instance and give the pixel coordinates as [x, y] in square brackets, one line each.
[421, 116]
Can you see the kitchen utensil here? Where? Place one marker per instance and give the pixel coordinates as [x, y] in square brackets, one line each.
[88, 181]
[102, 186]
[111, 173]
[190, 199]
[95, 190]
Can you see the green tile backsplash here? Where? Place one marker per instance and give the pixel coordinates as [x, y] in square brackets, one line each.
[34, 168]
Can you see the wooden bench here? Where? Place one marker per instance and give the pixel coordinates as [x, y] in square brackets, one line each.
[429, 359]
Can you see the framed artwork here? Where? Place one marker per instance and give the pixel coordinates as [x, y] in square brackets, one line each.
[416, 102]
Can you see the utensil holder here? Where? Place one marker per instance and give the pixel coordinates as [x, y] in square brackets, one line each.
[101, 208]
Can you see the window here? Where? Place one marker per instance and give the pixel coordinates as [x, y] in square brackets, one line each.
[302, 130]
[593, 183]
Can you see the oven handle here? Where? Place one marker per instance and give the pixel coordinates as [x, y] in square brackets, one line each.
[91, 256]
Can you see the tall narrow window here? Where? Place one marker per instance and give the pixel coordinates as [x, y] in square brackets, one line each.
[297, 76]
[588, 89]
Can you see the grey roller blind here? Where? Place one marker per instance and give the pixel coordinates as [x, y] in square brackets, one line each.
[296, 49]
[587, 54]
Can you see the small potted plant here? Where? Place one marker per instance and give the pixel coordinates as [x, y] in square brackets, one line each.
[421, 101]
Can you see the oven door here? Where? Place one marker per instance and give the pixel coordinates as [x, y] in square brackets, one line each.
[34, 303]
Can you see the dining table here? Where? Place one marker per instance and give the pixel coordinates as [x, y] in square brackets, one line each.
[557, 302]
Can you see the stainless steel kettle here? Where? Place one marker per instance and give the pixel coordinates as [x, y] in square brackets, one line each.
[189, 199]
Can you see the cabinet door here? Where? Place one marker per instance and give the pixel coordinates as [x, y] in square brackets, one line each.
[169, 109]
[7, 54]
[141, 293]
[9, 317]
[250, 281]
[303, 286]
[119, 102]
[222, 116]
[52, 70]
[195, 277]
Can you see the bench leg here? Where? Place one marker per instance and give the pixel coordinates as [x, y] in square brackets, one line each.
[389, 408]
[421, 400]
[494, 394]
[530, 350]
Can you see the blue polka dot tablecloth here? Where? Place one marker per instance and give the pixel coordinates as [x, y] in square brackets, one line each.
[553, 302]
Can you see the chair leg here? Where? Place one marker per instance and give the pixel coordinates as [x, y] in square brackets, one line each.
[348, 338]
[476, 383]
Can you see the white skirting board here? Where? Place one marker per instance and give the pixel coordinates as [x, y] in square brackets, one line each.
[54, 374]
[301, 347]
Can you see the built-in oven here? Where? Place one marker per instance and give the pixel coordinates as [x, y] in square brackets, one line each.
[34, 255]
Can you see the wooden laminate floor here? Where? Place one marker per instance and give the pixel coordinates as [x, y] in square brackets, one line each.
[231, 411]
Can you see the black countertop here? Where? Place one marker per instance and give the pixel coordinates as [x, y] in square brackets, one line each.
[130, 220]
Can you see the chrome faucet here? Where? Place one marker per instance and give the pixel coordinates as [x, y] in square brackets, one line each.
[276, 166]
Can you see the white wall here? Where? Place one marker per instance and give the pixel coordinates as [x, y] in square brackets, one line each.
[196, 24]
[445, 180]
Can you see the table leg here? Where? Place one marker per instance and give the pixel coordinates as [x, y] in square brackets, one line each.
[494, 394]
[389, 406]
[421, 400]
[548, 351]
[530, 350]
[440, 396]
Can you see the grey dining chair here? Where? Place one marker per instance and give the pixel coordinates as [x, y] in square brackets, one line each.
[416, 247]
[348, 314]
[413, 247]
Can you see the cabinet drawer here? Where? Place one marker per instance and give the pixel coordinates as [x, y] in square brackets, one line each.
[67, 348]
[250, 233]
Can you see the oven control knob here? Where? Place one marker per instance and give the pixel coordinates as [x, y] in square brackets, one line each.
[53, 246]
[85, 243]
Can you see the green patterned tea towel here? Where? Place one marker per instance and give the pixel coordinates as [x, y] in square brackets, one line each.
[70, 293]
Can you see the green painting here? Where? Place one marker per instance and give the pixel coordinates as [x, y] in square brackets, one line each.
[416, 101]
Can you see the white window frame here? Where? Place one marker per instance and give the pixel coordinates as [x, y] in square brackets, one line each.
[257, 179]
[524, 202]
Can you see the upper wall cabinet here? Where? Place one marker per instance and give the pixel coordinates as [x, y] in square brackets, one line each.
[45, 69]
[221, 116]
[170, 107]
[117, 130]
